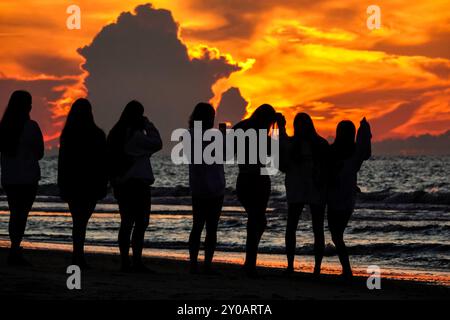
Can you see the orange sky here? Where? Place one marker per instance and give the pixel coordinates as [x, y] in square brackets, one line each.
[298, 55]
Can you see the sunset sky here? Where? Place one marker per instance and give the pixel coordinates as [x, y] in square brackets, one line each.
[311, 56]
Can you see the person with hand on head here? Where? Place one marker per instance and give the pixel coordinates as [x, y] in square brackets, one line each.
[131, 143]
[21, 147]
[252, 187]
[347, 157]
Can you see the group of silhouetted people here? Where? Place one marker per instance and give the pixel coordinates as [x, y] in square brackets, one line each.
[324, 177]
[88, 161]
[317, 174]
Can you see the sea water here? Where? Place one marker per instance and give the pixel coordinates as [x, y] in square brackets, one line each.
[402, 217]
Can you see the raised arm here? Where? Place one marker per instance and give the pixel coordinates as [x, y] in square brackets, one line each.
[284, 144]
[363, 143]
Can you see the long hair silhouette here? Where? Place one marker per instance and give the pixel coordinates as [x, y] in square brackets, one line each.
[82, 177]
[205, 113]
[344, 143]
[79, 123]
[263, 117]
[21, 147]
[304, 131]
[17, 113]
[304, 127]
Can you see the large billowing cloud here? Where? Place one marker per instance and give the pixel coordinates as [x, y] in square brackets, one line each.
[141, 57]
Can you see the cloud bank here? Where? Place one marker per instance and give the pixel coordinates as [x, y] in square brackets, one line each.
[142, 57]
[418, 145]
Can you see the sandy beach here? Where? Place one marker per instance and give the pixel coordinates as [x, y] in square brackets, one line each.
[47, 280]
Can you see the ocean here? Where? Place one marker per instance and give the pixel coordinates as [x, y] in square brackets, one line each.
[402, 217]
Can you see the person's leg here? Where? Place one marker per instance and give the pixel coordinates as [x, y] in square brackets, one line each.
[81, 212]
[77, 230]
[254, 196]
[252, 239]
[126, 226]
[256, 225]
[261, 224]
[242, 192]
[318, 217]
[337, 223]
[138, 236]
[20, 201]
[142, 212]
[212, 221]
[294, 212]
[14, 203]
[198, 222]
[260, 200]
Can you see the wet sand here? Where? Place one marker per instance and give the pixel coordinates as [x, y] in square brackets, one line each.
[172, 280]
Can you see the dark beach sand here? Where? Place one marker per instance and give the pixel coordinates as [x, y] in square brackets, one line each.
[47, 280]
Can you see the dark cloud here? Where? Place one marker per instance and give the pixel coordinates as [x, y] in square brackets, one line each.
[383, 125]
[354, 99]
[141, 57]
[436, 47]
[44, 94]
[420, 145]
[26, 20]
[232, 106]
[342, 16]
[236, 27]
[410, 100]
[311, 109]
[432, 126]
[440, 68]
[243, 7]
[49, 65]
[242, 17]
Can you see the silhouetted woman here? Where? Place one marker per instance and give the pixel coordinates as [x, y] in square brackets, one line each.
[346, 160]
[253, 188]
[304, 161]
[21, 146]
[131, 142]
[82, 174]
[207, 183]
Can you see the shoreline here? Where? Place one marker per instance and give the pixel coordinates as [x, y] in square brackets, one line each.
[277, 205]
[47, 280]
[303, 264]
[266, 258]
